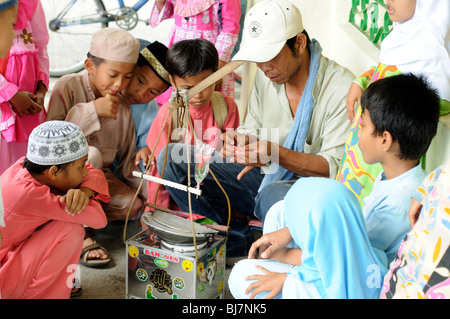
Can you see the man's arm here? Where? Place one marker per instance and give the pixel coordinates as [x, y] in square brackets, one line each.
[301, 163]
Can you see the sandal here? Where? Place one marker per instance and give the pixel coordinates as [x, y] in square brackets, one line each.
[96, 262]
[93, 262]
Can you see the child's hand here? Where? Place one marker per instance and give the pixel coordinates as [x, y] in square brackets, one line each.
[41, 90]
[353, 96]
[269, 243]
[24, 103]
[76, 201]
[107, 106]
[414, 211]
[144, 155]
[270, 281]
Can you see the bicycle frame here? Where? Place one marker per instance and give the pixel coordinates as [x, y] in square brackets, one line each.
[59, 21]
[136, 6]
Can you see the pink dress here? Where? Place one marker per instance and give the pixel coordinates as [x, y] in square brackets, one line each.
[206, 129]
[26, 64]
[42, 243]
[196, 19]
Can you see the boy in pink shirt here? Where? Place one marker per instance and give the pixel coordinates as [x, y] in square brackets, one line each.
[48, 198]
[188, 63]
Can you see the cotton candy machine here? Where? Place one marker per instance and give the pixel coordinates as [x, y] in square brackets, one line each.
[166, 261]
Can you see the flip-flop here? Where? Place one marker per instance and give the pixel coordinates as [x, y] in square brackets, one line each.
[97, 262]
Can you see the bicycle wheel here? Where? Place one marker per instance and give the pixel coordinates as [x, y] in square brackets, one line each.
[70, 40]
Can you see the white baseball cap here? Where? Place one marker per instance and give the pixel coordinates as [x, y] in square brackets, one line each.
[267, 27]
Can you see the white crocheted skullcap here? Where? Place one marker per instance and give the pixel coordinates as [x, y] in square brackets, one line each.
[55, 143]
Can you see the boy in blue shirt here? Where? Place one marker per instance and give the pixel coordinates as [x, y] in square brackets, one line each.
[320, 243]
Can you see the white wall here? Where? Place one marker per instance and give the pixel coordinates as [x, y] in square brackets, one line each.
[327, 22]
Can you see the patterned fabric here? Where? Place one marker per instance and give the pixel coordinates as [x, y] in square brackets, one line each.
[56, 142]
[220, 29]
[187, 8]
[353, 172]
[422, 269]
[156, 65]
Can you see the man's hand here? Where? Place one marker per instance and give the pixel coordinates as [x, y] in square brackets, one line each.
[232, 140]
[246, 150]
[254, 153]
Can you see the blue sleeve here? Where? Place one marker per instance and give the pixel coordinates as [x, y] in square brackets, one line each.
[387, 226]
[143, 116]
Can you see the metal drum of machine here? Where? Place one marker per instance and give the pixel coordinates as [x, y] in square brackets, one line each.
[163, 262]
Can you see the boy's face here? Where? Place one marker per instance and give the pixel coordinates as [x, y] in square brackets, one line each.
[8, 18]
[72, 176]
[401, 10]
[144, 86]
[369, 143]
[110, 77]
[201, 99]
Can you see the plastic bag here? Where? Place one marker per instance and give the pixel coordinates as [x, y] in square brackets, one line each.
[203, 153]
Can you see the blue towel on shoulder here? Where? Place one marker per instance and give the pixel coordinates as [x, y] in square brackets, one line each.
[299, 130]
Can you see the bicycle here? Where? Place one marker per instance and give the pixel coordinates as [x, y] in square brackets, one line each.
[71, 24]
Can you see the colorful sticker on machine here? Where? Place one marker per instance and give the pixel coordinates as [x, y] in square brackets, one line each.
[148, 292]
[200, 268]
[161, 255]
[221, 251]
[178, 283]
[133, 251]
[187, 265]
[141, 274]
[162, 281]
[161, 263]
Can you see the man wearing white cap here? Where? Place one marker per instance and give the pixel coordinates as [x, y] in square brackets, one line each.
[295, 125]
